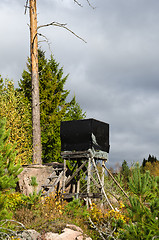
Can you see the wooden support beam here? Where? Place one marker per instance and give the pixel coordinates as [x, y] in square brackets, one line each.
[103, 191]
[82, 195]
[55, 183]
[78, 179]
[88, 180]
[74, 155]
[95, 182]
[64, 177]
[102, 179]
[75, 173]
[116, 182]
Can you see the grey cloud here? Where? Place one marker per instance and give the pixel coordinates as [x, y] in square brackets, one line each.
[114, 76]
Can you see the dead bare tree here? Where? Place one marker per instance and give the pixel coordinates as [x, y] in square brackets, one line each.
[36, 130]
[37, 149]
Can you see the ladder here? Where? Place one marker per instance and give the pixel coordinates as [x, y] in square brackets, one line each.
[52, 183]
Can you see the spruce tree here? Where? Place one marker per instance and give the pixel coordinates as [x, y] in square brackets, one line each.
[151, 159]
[8, 170]
[74, 111]
[151, 164]
[54, 107]
[125, 171]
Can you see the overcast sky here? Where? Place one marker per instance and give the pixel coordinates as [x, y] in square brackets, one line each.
[115, 75]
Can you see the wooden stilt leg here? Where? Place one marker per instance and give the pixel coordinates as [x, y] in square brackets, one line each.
[64, 175]
[103, 191]
[102, 179]
[88, 180]
[78, 181]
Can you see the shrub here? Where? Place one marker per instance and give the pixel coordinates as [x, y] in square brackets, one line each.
[8, 171]
[143, 208]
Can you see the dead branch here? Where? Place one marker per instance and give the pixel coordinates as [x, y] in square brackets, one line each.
[90, 4]
[62, 25]
[3, 222]
[26, 6]
[9, 233]
[104, 230]
[75, 1]
[46, 39]
[79, 4]
[96, 228]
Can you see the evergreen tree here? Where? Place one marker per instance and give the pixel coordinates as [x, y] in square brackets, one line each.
[74, 111]
[153, 168]
[125, 171]
[141, 184]
[151, 164]
[53, 104]
[143, 207]
[8, 170]
[15, 108]
[150, 159]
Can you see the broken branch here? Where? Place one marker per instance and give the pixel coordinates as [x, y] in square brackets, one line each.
[79, 4]
[62, 25]
[26, 6]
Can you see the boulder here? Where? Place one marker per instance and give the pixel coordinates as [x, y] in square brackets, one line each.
[71, 232]
[41, 173]
[28, 235]
[74, 227]
[52, 236]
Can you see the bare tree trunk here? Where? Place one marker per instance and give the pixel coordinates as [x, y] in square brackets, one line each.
[37, 149]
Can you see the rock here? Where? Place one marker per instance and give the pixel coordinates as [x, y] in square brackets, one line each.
[28, 235]
[74, 227]
[51, 236]
[81, 236]
[71, 232]
[39, 171]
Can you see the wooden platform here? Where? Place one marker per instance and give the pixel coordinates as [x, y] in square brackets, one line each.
[67, 196]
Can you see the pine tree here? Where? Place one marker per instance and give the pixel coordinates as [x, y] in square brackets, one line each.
[141, 184]
[143, 207]
[53, 104]
[8, 170]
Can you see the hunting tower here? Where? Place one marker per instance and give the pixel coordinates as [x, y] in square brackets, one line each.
[85, 147]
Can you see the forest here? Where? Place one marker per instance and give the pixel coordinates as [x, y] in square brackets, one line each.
[134, 215]
[133, 191]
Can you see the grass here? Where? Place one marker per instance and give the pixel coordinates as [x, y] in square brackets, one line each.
[52, 214]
